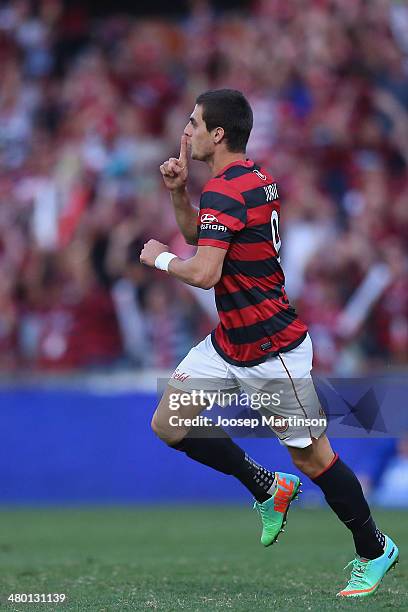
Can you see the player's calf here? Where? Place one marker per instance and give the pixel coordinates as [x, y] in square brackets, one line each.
[343, 493]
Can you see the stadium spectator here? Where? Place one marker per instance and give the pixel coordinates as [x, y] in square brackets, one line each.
[85, 121]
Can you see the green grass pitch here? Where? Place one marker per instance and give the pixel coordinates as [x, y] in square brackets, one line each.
[185, 558]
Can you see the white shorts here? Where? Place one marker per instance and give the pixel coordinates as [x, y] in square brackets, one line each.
[285, 377]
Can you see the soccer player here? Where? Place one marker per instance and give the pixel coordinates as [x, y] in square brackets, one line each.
[259, 343]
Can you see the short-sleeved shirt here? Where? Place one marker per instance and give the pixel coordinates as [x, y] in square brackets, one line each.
[239, 212]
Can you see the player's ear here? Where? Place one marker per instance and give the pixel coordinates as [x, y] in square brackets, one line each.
[218, 135]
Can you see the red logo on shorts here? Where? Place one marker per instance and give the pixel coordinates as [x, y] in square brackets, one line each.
[280, 425]
[177, 375]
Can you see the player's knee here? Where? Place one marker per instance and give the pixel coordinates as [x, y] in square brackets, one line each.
[301, 463]
[158, 427]
[306, 462]
[168, 435]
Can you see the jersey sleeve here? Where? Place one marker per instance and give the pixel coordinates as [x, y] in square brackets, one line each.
[222, 214]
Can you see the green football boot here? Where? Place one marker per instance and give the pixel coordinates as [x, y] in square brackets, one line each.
[366, 575]
[273, 511]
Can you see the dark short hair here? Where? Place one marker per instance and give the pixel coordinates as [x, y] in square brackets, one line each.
[229, 109]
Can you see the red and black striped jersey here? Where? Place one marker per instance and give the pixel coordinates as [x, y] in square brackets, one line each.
[239, 212]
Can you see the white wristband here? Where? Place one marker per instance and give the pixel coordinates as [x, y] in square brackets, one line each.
[163, 260]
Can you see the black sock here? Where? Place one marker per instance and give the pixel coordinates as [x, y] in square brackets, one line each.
[345, 497]
[222, 454]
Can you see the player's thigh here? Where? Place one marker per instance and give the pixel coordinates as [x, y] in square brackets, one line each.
[293, 411]
[299, 399]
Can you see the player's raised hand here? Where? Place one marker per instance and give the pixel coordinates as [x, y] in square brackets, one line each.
[175, 171]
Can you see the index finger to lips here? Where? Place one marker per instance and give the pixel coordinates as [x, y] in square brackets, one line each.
[183, 150]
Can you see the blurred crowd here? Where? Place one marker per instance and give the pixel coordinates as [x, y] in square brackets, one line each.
[90, 108]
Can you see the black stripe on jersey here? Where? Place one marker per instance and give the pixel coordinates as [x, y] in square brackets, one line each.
[244, 298]
[255, 197]
[257, 233]
[252, 333]
[256, 269]
[254, 362]
[210, 234]
[223, 204]
[235, 172]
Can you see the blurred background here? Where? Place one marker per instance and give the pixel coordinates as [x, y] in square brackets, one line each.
[93, 98]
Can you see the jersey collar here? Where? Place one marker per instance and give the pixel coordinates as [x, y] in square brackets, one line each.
[246, 163]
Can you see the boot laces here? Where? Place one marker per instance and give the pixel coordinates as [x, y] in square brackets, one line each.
[357, 577]
[260, 508]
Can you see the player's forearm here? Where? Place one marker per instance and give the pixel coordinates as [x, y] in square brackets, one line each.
[193, 272]
[186, 215]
